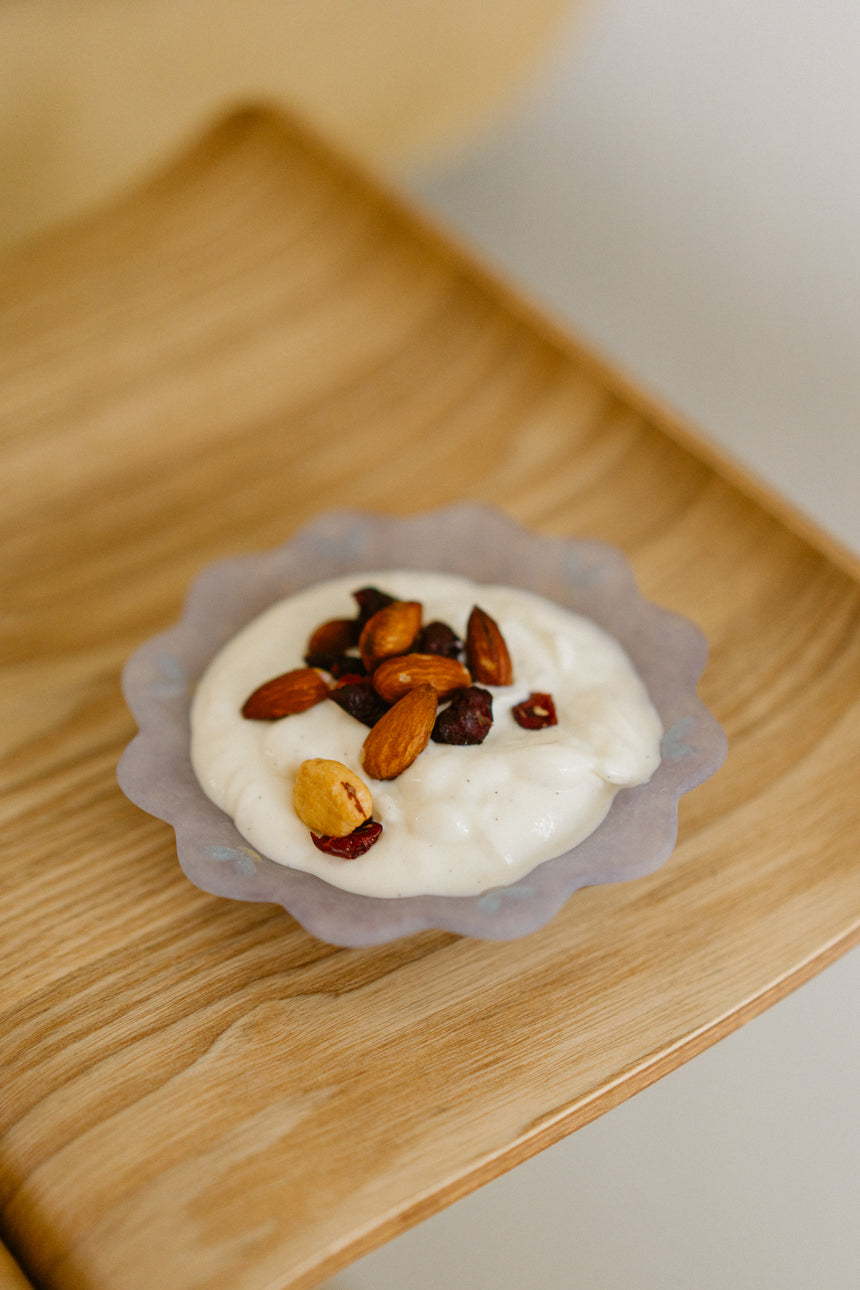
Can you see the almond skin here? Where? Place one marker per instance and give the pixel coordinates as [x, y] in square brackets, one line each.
[398, 737]
[285, 695]
[486, 651]
[395, 676]
[329, 798]
[333, 637]
[389, 631]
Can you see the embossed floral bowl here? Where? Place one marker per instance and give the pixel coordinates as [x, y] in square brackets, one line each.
[588, 577]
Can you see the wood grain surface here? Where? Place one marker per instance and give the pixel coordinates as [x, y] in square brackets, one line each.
[11, 1276]
[197, 1094]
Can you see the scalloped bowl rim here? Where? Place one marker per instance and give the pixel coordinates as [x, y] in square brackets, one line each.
[476, 541]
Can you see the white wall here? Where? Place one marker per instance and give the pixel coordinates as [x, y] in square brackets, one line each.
[683, 184]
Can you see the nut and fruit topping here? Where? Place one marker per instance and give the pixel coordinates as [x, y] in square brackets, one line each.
[398, 737]
[459, 820]
[284, 696]
[395, 676]
[399, 702]
[329, 798]
[352, 844]
[535, 712]
[486, 652]
[467, 718]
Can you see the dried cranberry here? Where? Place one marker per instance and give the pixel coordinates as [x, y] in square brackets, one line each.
[370, 600]
[358, 697]
[467, 719]
[535, 712]
[439, 638]
[336, 665]
[352, 845]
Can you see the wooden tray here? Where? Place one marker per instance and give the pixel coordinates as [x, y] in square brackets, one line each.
[197, 1093]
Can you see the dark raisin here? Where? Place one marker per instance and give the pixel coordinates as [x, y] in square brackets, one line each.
[439, 638]
[337, 665]
[535, 712]
[467, 719]
[358, 697]
[354, 844]
[370, 600]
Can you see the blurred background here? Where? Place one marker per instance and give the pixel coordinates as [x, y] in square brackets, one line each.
[680, 182]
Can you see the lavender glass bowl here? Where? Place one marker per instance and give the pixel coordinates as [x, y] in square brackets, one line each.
[591, 578]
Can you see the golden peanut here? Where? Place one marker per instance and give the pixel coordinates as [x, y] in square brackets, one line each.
[330, 798]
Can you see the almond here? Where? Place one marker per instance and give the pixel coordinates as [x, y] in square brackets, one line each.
[486, 651]
[329, 798]
[398, 737]
[389, 631]
[333, 637]
[285, 695]
[394, 676]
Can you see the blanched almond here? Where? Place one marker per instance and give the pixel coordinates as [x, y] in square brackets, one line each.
[329, 798]
[398, 737]
[395, 676]
[389, 631]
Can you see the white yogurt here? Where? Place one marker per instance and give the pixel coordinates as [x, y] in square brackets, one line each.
[461, 819]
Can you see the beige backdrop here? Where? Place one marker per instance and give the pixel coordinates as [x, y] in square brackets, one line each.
[94, 91]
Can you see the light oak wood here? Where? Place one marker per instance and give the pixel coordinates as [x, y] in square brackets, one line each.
[11, 1276]
[196, 1093]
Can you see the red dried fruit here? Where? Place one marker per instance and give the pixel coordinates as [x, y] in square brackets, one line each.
[354, 844]
[467, 719]
[535, 712]
[356, 695]
[439, 638]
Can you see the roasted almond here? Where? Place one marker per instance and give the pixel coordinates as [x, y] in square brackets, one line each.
[330, 798]
[486, 652]
[285, 695]
[389, 631]
[333, 637]
[394, 676]
[398, 737]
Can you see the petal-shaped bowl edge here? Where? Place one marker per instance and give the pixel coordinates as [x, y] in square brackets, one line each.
[589, 577]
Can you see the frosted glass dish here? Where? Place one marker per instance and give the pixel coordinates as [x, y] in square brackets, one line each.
[591, 578]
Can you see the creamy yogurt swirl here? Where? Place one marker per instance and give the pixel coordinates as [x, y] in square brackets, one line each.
[460, 820]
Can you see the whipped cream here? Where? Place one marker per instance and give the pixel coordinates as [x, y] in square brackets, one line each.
[459, 820]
